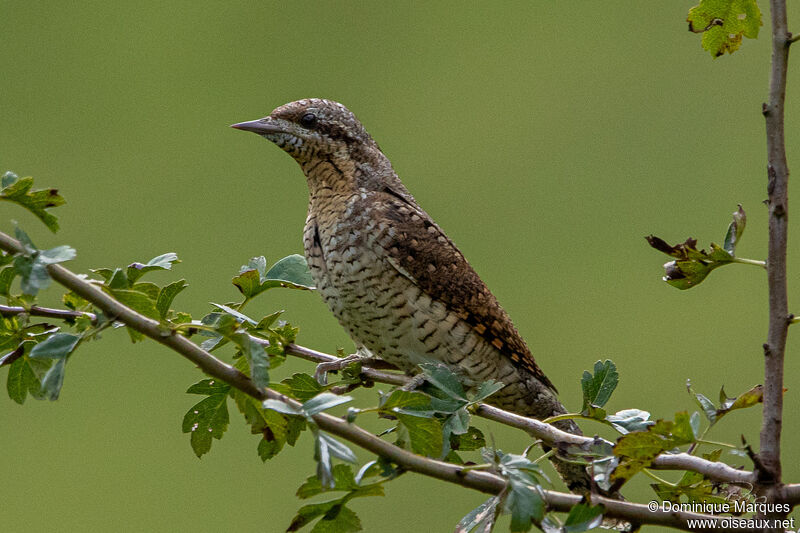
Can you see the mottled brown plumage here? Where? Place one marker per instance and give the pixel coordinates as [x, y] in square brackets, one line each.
[392, 278]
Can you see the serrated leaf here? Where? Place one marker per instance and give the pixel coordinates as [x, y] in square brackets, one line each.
[205, 420]
[597, 388]
[166, 296]
[440, 376]
[36, 201]
[525, 505]
[302, 387]
[57, 346]
[291, 271]
[160, 262]
[723, 23]
[24, 377]
[324, 401]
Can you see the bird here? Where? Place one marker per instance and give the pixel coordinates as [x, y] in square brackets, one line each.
[391, 276]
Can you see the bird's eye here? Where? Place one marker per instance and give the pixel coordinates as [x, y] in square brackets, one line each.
[308, 120]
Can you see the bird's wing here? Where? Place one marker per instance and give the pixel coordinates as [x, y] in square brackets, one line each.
[421, 251]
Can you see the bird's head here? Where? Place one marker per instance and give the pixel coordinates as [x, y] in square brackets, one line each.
[312, 129]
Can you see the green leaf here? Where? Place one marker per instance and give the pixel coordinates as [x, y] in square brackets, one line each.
[336, 518]
[723, 23]
[629, 420]
[481, 519]
[268, 320]
[138, 301]
[583, 517]
[209, 387]
[597, 388]
[748, 399]
[525, 504]
[161, 262]
[735, 230]
[425, 434]
[486, 389]
[302, 386]
[167, 294]
[472, 439]
[24, 377]
[206, 419]
[36, 201]
[444, 379]
[324, 401]
[57, 346]
[32, 267]
[708, 407]
[53, 380]
[406, 400]
[7, 275]
[256, 358]
[281, 407]
[293, 270]
[241, 317]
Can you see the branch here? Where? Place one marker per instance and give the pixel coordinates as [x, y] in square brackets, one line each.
[777, 190]
[35, 310]
[547, 433]
[481, 481]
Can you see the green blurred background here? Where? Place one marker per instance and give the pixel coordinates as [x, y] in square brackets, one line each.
[547, 138]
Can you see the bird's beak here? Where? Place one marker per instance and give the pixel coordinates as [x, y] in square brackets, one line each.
[261, 126]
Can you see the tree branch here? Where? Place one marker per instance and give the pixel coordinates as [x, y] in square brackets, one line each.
[482, 481]
[547, 433]
[777, 190]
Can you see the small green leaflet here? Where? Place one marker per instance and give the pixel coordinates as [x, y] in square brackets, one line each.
[723, 23]
[32, 267]
[291, 272]
[597, 388]
[209, 417]
[36, 201]
[161, 262]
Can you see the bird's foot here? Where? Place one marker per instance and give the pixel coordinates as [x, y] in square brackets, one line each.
[321, 372]
[414, 383]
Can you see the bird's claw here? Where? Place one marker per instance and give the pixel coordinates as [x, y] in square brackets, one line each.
[321, 372]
